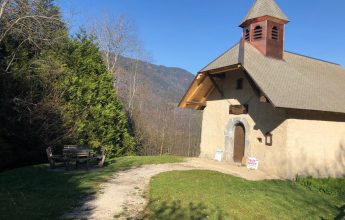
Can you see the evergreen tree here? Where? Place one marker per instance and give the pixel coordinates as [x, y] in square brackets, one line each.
[30, 118]
[54, 90]
[91, 104]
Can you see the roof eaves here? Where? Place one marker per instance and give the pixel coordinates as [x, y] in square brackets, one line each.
[205, 67]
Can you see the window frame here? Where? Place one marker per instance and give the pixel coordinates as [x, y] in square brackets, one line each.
[269, 139]
[239, 84]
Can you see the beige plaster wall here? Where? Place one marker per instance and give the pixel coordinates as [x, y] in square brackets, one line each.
[306, 143]
[315, 148]
[262, 118]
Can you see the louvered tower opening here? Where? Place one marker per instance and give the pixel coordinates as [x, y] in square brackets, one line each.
[257, 32]
[247, 35]
[275, 33]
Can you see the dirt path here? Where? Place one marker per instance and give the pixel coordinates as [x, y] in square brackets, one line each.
[124, 195]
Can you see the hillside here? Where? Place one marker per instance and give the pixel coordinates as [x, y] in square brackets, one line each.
[169, 83]
[157, 120]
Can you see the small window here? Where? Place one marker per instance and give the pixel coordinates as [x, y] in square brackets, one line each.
[257, 32]
[268, 139]
[275, 33]
[239, 84]
[247, 35]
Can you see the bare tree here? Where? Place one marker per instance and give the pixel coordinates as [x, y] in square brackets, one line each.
[26, 19]
[31, 22]
[116, 37]
[132, 89]
[2, 7]
[163, 126]
[139, 56]
[158, 126]
[189, 133]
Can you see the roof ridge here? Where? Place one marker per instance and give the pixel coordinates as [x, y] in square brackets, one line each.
[325, 61]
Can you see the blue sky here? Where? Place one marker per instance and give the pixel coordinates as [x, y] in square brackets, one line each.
[191, 33]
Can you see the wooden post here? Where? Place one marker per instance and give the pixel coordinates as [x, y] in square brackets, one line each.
[215, 84]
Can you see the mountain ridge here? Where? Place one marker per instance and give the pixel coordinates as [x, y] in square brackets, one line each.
[161, 127]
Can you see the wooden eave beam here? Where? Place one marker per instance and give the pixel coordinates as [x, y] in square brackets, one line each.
[202, 79]
[257, 90]
[193, 88]
[207, 94]
[196, 103]
[215, 84]
[223, 69]
[197, 83]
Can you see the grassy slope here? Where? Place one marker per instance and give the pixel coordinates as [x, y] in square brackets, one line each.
[36, 192]
[222, 196]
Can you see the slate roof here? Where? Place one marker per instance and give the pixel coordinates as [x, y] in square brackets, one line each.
[297, 81]
[265, 7]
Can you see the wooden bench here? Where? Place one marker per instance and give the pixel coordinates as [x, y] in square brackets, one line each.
[76, 153]
[53, 158]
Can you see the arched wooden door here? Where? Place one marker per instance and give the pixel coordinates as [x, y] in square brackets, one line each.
[239, 143]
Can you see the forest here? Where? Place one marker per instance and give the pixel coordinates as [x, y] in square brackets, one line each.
[94, 87]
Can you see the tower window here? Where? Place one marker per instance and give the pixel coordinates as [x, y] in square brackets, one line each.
[239, 84]
[257, 32]
[275, 33]
[247, 35]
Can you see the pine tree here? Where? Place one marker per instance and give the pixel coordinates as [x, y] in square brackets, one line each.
[91, 103]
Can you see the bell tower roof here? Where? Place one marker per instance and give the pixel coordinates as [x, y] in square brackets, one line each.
[263, 8]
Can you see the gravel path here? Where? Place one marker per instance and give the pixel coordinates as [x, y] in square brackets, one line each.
[123, 196]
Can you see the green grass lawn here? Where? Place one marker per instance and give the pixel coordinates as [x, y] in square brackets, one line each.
[211, 195]
[36, 192]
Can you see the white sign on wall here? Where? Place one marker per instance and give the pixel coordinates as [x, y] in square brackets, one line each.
[252, 163]
[219, 155]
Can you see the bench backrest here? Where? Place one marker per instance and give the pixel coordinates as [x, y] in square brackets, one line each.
[76, 151]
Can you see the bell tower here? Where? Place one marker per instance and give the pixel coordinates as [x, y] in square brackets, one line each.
[263, 27]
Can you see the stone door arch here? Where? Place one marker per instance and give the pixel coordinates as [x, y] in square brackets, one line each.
[230, 138]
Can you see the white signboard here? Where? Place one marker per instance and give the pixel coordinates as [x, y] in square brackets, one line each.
[219, 155]
[252, 163]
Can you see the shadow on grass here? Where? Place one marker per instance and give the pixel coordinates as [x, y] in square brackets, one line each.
[174, 210]
[242, 199]
[37, 192]
[341, 214]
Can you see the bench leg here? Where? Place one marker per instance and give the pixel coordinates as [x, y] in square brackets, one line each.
[101, 161]
[52, 164]
[66, 164]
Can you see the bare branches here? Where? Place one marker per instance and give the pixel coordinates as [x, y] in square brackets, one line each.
[30, 23]
[116, 37]
[133, 89]
[2, 7]
[14, 55]
[159, 127]
[28, 20]
[36, 19]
